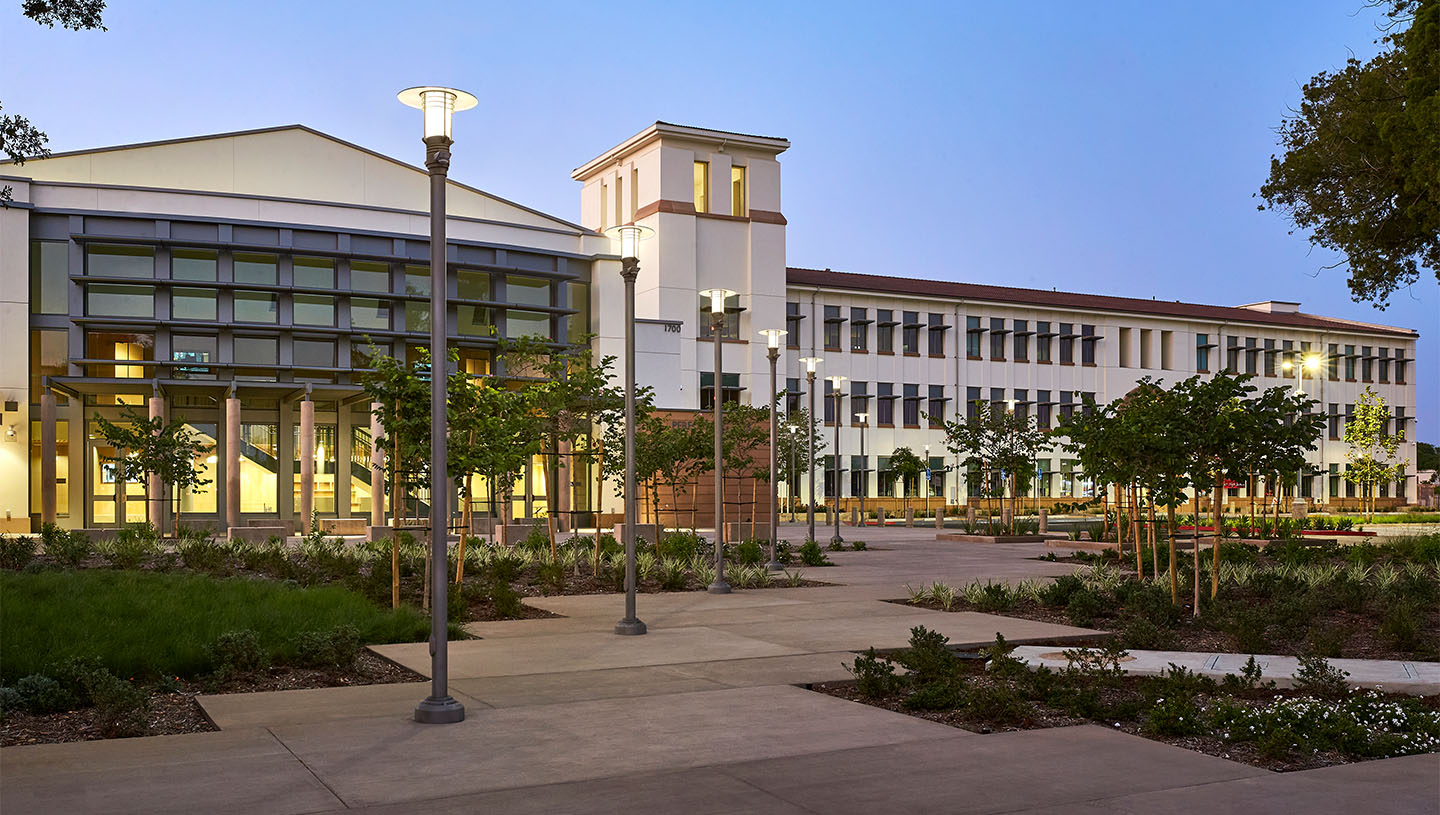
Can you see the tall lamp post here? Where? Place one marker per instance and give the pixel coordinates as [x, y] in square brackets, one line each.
[811, 363]
[438, 105]
[835, 382]
[772, 352]
[1311, 363]
[864, 420]
[717, 321]
[629, 237]
[791, 476]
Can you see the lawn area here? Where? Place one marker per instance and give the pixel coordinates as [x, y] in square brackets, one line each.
[155, 624]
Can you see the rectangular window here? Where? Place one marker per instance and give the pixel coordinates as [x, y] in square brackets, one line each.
[49, 277]
[577, 325]
[367, 313]
[1334, 359]
[1385, 365]
[859, 469]
[730, 328]
[363, 354]
[1252, 351]
[1232, 354]
[314, 273]
[859, 400]
[193, 264]
[828, 397]
[910, 333]
[1269, 367]
[49, 356]
[1349, 363]
[1067, 405]
[325, 468]
[1334, 421]
[1022, 341]
[792, 325]
[197, 352]
[1126, 359]
[1202, 353]
[738, 204]
[255, 351]
[997, 339]
[313, 353]
[793, 396]
[702, 186]
[859, 330]
[122, 348]
[1400, 363]
[120, 261]
[912, 405]
[972, 337]
[884, 331]
[259, 466]
[936, 336]
[1042, 341]
[832, 328]
[1087, 345]
[526, 291]
[936, 406]
[192, 304]
[473, 285]
[258, 269]
[255, 307]
[973, 404]
[1367, 364]
[885, 404]
[997, 401]
[314, 309]
[526, 324]
[371, 277]
[479, 321]
[417, 317]
[1067, 343]
[113, 300]
[1022, 403]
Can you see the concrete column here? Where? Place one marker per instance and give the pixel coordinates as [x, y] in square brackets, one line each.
[47, 457]
[909, 516]
[232, 462]
[156, 488]
[940, 517]
[970, 515]
[1044, 521]
[377, 469]
[307, 464]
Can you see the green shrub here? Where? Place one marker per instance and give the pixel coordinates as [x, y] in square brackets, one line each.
[10, 701]
[17, 552]
[1362, 725]
[537, 540]
[1058, 592]
[1140, 632]
[940, 694]
[133, 546]
[928, 658]
[680, 545]
[1327, 640]
[1402, 626]
[1084, 607]
[748, 553]
[337, 648]
[77, 675]
[811, 554]
[836, 546]
[236, 653]
[120, 707]
[673, 575]
[1248, 627]
[999, 661]
[1175, 716]
[41, 694]
[68, 547]
[858, 546]
[202, 552]
[1318, 677]
[507, 600]
[551, 575]
[874, 675]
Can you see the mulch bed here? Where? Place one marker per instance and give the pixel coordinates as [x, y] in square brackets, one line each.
[177, 711]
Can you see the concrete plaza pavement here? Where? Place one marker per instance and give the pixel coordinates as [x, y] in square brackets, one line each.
[701, 715]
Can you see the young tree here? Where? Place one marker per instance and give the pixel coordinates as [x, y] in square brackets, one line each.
[155, 447]
[905, 465]
[793, 450]
[1361, 169]
[1002, 443]
[402, 392]
[746, 429]
[1371, 459]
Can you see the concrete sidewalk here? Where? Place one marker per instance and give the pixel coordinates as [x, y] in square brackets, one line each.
[1415, 678]
[702, 715]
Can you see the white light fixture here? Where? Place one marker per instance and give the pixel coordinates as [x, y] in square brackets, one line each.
[717, 299]
[628, 236]
[863, 417]
[772, 336]
[1312, 363]
[835, 380]
[439, 105]
[811, 363]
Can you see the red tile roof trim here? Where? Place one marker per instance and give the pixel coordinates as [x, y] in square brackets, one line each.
[1095, 302]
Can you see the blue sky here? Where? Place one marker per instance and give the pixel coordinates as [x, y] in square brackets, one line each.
[1109, 147]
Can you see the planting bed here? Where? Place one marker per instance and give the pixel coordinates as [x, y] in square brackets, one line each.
[1241, 719]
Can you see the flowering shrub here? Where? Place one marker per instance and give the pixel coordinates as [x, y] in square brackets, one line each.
[1364, 724]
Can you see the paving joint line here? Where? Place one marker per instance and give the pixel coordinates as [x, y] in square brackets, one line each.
[343, 803]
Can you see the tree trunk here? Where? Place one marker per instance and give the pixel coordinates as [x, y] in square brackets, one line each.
[397, 506]
[467, 521]
[1195, 549]
[1174, 579]
[1154, 544]
[1215, 551]
[1135, 530]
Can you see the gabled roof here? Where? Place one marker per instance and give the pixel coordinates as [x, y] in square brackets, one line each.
[772, 145]
[288, 162]
[826, 278]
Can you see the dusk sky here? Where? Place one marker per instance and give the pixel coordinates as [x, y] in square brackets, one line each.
[1100, 147]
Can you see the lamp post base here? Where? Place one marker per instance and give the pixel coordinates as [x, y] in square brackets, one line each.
[629, 627]
[774, 566]
[719, 587]
[444, 710]
[837, 539]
